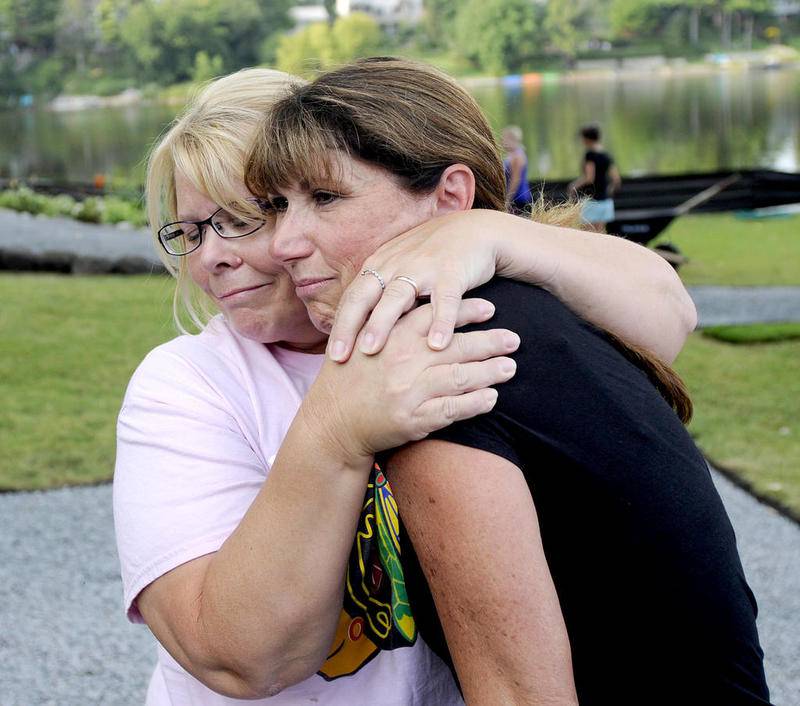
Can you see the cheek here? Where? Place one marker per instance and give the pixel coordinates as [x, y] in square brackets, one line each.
[197, 273]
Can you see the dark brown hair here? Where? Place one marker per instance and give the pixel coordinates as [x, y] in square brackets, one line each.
[409, 118]
[414, 121]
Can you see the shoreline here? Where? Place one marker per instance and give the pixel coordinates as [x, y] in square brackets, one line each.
[612, 69]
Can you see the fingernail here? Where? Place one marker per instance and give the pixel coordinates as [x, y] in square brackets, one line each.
[491, 396]
[368, 344]
[437, 340]
[487, 309]
[338, 350]
[509, 367]
[511, 340]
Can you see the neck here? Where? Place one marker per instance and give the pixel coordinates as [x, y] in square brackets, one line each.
[303, 346]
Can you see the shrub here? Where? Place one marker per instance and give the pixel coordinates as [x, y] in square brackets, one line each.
[96, 209]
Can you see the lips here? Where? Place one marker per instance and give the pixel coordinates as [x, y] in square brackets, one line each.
[240, 290]
[307, 286]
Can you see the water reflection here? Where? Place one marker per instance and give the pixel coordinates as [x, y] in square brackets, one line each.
[652, 124]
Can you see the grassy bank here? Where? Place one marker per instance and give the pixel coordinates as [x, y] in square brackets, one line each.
[746, 410]
[723, 249]
[68, 346]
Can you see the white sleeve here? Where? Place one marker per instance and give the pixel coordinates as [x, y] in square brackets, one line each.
[185, 472]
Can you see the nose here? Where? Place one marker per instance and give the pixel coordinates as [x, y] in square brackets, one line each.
[291, 239]
[217, 252]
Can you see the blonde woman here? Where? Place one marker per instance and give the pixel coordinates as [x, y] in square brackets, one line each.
[244, 457]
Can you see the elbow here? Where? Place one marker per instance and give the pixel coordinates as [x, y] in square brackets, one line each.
[680, 309]
[251, 682]
[257, 673]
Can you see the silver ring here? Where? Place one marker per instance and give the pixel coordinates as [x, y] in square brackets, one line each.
[368, 271]
[405, 278]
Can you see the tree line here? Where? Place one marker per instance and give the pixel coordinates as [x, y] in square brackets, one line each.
[104, 46]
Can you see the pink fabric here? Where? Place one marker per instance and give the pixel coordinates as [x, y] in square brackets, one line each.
[201, 423]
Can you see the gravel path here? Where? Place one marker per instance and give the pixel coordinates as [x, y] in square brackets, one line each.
[39, 234]
[64, 640]
[718, 306]
[63, 637]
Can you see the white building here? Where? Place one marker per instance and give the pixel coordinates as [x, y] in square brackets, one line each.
[386, 12]
[304, 15]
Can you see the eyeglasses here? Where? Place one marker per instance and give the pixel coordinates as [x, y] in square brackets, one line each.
[182, 237]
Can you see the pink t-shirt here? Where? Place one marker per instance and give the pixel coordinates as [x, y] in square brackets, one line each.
[200, 426]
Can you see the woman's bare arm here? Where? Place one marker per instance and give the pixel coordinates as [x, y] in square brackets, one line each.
[474, 527]
[611, 282]
[260, 613]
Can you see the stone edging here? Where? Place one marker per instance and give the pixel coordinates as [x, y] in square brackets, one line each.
[70, 263]
[733, 476]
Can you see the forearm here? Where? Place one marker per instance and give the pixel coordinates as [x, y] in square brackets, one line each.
[615, 284]
[269, 600]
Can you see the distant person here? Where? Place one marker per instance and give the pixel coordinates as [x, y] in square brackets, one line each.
[518, 191]
[599, 181]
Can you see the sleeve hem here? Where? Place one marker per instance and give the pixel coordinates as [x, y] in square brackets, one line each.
[161, 566]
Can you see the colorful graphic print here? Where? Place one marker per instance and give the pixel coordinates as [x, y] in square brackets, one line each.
[376, 614]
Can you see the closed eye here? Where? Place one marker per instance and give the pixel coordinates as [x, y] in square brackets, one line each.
[323, 198]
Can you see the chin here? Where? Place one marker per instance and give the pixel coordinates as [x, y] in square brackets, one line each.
[255, 328]
[321, 316]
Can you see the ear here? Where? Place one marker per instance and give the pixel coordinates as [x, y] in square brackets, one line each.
[455, 190]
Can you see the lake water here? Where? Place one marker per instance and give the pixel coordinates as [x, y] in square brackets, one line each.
[654, 124]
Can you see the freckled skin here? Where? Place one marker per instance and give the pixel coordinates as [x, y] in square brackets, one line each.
[328, 230]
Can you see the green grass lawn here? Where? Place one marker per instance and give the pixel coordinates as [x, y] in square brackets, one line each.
[723, 249]
[68, 346]
[747, 410]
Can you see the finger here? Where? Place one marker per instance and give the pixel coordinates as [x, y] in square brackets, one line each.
[397, 299]
[354, 306]
[443, 411]
[445, 301]
[458, 378]
[470, 311]
[479, 345]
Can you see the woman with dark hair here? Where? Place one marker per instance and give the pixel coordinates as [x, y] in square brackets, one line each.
[572, 539]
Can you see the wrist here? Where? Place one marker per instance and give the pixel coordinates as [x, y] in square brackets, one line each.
[322, 423]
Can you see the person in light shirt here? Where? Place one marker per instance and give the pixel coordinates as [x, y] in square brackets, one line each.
[245, 489]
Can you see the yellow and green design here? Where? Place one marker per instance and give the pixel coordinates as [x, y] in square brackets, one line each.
[376, 614]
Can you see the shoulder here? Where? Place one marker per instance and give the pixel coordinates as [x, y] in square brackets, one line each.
[527, 309]
[189, 364]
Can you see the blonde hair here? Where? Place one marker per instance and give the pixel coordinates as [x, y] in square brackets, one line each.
[208, 143]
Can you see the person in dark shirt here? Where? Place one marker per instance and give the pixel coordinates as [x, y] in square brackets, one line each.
[598, 181]
[570, 542]
[641, 552]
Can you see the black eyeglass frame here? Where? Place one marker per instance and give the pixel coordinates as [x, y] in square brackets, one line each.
[263, 205]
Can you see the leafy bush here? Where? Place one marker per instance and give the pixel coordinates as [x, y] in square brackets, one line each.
[118, 210]
[89, 210]
[96, 209]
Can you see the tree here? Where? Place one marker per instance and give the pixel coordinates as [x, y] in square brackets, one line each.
[439, 20]
[497, 35]
[355, 36]
[563, 25]
[319, 46]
